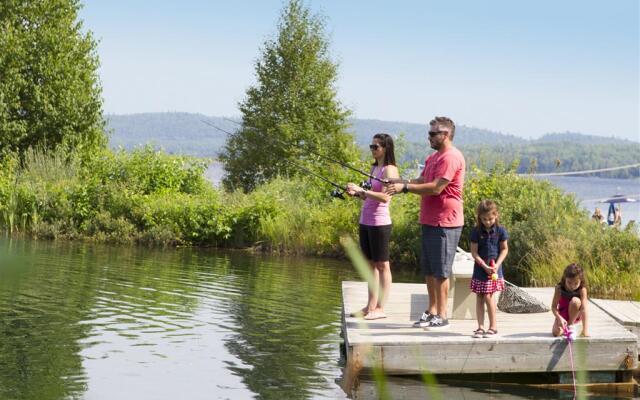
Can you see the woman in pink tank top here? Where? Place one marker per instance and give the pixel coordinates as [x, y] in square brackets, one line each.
[375, 224]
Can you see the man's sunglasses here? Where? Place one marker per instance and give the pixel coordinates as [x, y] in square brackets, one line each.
[436, 133]
[374, 146]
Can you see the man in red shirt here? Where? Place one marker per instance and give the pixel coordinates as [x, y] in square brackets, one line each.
[440, 185]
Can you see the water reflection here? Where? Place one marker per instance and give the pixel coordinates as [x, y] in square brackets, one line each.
[413, 388]
[39, 326]
[286, 319]
[100, 322]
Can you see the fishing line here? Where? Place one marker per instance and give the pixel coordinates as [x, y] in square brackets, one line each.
[337, 192]
[570, 335]
[218, 128]
[384, 181]
[340, 189]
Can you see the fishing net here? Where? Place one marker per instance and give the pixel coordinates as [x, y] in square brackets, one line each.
[515, 300]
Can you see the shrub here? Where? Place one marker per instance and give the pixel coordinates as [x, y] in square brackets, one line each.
[548, 230]
[305, 219]
[154, 198]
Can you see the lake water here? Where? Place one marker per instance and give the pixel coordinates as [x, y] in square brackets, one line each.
[100, 322]
[592, 191]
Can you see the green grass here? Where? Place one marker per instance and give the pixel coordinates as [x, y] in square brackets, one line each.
[153, 198]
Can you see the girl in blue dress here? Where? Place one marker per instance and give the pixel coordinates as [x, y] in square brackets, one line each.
[488, 243]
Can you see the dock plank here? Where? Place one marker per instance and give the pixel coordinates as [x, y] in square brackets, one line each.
[625, 312]
[524, 343]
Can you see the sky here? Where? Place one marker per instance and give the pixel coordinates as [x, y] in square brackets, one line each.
[521, 68]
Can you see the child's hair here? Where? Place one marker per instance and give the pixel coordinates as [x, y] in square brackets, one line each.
[573, 271]
[485, 207]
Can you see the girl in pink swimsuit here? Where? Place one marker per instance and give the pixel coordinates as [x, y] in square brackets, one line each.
[569, 304]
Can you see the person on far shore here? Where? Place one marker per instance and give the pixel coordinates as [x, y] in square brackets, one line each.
[440, 184]
[617, 218]
[569, 304]
[488, 243]
[375, 224]
[598, 216]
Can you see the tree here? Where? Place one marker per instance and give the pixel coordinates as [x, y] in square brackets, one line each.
[292, 106]
[49, 87]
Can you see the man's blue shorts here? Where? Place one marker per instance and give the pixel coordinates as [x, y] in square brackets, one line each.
[439, 250]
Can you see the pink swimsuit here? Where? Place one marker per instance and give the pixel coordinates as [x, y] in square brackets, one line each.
[375, 213]
[565, 300]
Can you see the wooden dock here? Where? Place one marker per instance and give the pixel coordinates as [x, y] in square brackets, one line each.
[524, 343]
[626, 313]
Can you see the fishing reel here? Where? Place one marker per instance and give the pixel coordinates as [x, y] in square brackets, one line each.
[337, 194]
[366, 185]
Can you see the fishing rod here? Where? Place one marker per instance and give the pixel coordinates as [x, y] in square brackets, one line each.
[365, 185]
[337, 192]
[218, 128]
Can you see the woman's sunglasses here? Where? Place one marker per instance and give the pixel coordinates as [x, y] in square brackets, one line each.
[374, 146]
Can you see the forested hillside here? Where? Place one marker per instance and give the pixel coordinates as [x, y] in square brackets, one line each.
[196, 134]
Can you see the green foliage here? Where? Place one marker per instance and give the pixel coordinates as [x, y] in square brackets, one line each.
[55, 194]
[8, 205]
[49, 87]
[151, 197]
[306, 219]
[293, 104]
[146, 171]
[548, 230]
[190, 219]
[532, 210]
[405, 243]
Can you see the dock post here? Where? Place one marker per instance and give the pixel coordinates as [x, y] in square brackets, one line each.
[352, 369]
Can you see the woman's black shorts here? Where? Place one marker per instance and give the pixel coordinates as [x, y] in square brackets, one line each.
[374, 242]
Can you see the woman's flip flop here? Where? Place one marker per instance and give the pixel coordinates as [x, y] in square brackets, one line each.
[360, 313]
[374, 315]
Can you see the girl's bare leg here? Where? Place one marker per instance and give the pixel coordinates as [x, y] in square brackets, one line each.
[556, 330]
[585, 321]
[574, 310]
[491, 310]
[480, 310]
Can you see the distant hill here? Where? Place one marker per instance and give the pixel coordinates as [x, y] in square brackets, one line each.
[195, 134]
[181, 133]
[416, 133]
[574, 137]
[186, 133]
[560, 156]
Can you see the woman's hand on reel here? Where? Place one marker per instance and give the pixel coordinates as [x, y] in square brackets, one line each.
[355, 190]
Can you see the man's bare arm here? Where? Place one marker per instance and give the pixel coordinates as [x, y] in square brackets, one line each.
[429, 188]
